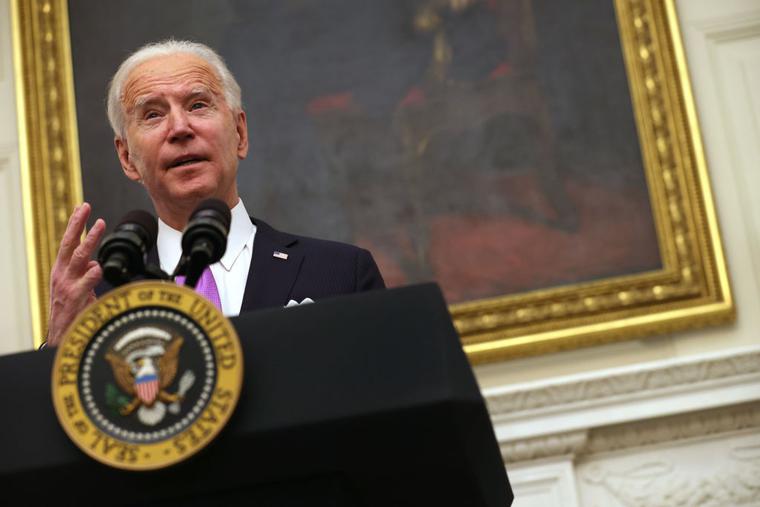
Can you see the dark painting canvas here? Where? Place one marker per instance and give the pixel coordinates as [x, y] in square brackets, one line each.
[488, 145]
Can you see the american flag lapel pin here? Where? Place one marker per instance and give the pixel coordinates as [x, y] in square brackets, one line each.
[280, 255]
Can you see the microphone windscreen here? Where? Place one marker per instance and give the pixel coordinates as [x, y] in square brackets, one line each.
[145, 220]
[215, 205]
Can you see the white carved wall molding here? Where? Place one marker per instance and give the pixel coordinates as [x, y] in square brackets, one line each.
[630, 394]
[720, 422]
[731, 27]
[549, 446]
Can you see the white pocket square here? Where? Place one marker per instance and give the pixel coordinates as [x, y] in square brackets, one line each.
[293, 302]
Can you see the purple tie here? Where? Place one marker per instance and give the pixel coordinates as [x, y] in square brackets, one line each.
[206, 286]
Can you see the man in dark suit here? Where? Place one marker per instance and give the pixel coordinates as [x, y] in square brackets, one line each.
[180, 131]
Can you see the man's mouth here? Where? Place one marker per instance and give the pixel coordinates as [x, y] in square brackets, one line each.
[183, 161]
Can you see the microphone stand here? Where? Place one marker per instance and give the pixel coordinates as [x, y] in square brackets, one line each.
[153, 272]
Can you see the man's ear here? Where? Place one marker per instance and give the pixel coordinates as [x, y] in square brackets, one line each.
[241, 126]
[122, 150]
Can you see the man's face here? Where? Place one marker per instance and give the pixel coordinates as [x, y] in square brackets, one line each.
[183, 141]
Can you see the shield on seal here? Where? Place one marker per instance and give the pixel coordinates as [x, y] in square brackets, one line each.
[147, 388]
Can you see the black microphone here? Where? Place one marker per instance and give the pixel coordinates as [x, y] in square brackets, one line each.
[122, 253]
[204, 240]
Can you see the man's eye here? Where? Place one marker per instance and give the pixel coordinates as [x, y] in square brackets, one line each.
[150, 115]
[197, 105]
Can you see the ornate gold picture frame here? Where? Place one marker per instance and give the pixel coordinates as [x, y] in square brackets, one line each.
[690, 290]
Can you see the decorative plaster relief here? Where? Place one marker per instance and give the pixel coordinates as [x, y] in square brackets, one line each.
[663, 483]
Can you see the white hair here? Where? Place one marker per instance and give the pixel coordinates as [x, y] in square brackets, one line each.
[115, 106]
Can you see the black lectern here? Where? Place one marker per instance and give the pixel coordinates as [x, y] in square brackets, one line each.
[364, 400]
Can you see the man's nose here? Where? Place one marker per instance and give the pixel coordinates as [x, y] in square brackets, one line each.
[180, 128]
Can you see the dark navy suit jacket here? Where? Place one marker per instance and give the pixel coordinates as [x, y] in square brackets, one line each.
[315, 269]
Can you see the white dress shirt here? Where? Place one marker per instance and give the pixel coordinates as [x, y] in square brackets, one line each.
[231, 272]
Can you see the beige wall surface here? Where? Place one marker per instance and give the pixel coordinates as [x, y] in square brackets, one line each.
[15, 319]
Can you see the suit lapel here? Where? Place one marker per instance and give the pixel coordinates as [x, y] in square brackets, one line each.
[271, 279]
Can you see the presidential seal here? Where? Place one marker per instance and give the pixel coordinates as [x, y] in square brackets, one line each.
[147, 376]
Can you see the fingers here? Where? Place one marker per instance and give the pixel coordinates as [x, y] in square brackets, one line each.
[74, 275]
[92, 277]
[80, 258]
[74, 229]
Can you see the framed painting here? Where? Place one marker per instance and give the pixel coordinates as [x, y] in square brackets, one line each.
[542, 163]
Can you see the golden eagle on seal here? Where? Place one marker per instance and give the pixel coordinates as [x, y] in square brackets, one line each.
[144, 363]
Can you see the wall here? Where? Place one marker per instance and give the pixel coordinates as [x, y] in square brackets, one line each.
[15, 319]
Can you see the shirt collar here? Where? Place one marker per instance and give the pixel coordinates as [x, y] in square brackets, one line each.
[242, 231]
[241, 235]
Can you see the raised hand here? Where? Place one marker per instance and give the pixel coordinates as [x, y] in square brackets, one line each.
[74, 276]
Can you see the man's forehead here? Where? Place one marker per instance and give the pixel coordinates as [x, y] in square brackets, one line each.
[184, 74]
